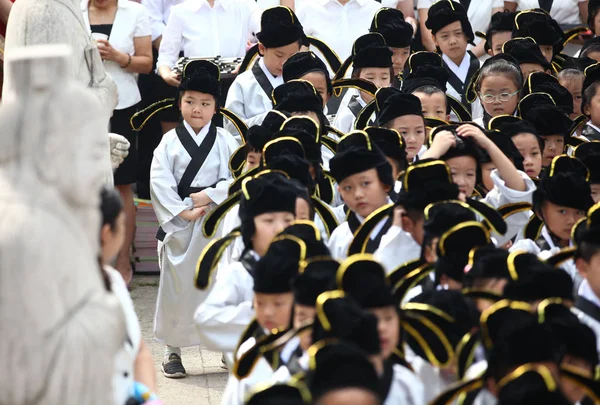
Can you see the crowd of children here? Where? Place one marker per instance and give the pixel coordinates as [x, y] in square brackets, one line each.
[436, 241]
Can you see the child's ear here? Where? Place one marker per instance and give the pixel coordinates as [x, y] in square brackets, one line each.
[407, 224]
[585, 109]
[261, 49]
[490, 52]
[387, 188]
[435, 42]
[105, 233]
[581, 267]
[448, 117]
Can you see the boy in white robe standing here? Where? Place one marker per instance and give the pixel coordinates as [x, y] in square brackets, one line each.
[188, 176]
[281, 36]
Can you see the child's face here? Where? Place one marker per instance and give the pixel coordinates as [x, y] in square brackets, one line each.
[452, 41]
[399, 58]
[498, 39]
[434, 105]
[572, 391]
[364, 192]
[267, 226]
[303, 314]
[595, 192]
[591, 272]
[380, 77]
[197, 109]
[574, 85]
[499, 87]
[464, 173]
[388, 327]
[252, 160]
[594, 55]
[274, 58]
[529, 148]
[412, 129]
[318, 80]
[560, 220]
[547, 51]
[554, 145]
[349, 396]
[302, 209]
[273, 311]
[112, 239]
[529, 68]
[593, 108]
[486, 175]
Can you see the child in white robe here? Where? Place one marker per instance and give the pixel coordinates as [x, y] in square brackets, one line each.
[189, 175]
[281, 36]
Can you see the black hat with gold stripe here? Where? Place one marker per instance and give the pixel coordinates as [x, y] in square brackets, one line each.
[363, 278]
[290, 393]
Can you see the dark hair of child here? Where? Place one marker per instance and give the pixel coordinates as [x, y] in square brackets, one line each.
[110, 206]
[588, 94]
[429, 90]
[589, 49]
[501, 67]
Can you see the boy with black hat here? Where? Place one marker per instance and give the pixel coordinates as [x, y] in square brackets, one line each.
[528, 54]
[398, 35]
[189, 175]
[542, 28]
[589, 154]
[308, 66]
[499, 32]
[452, 32]
[281, 36]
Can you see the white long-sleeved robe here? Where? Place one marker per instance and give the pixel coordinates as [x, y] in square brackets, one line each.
[178, 253]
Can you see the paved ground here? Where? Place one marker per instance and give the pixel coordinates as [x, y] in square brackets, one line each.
[206, 379]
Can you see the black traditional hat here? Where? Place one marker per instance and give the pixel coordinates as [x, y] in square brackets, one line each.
[302, 63]
[526, 50]
[392, 103]
[290, 393]
[390, 142]
[297, 95]
[580, 63]
[548, 120]
[589, 43]
[565, 183]
[454, 247]
[307, 131]
[426, 182]
[506, 145]
[528, 384]
[443, 215]
[279, 27]
[464, 146]
[444, 13]
[339, 365]
[502, 21]
[486, 262]
[308, 232]
[541, 82]
[341, 317]
[424, 69]
[419, 59]
[534, 100]
[317, 275]
[277, 269]
[511, 125]
[369, 50]
[539, 26]
[592, 74]
[589, 154]
[297, 168]
[356, 154]
[390, 23]
[363, 278]
[282, 146]
[202, 76]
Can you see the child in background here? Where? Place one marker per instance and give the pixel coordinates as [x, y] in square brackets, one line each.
[184, 186]
[499, 32]
[590, 103]
[528, 55]
[398, 35]
[497, 86]
[308, 66]
[452, 32]
[589, 154]
[364, 178]
[372, 61]
[403, 113]
[543, 29]
[281, 36]
[572, 80]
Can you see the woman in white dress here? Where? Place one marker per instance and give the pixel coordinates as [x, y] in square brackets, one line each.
[565, 12]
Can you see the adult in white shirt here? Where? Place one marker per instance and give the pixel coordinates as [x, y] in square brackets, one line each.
[337, 22]
[480, 15]
[122, 31]
[159, 11]
[204, 29]
[565, 12]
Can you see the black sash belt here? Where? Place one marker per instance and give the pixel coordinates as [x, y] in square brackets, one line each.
[262, 80]
[199, 153]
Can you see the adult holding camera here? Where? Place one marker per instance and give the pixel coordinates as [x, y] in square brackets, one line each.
[121, 29]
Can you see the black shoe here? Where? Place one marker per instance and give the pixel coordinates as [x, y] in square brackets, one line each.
[174, 367]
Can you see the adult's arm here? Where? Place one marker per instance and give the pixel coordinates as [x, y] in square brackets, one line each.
[583, 11]
[426, 37]
[510, 6]
[5, 6]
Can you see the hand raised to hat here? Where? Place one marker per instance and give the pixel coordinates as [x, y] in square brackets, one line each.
[443, 141]
[471, 131]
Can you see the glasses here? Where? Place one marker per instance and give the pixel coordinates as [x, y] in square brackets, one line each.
[502, 97]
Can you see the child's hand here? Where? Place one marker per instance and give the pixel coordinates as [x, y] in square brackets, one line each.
[198, 212]
[471, 131]
[200, 199]
[399, 212]
[443, 141]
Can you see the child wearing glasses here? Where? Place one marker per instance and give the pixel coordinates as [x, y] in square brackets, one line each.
[497, 86]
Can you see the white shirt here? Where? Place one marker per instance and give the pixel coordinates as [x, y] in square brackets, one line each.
[131, 21]
[335, 24]
[201, 31]
[159, 11]
[479, 13]
[563, 11]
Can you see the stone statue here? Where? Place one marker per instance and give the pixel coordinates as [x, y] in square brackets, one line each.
[38, 22]
[60, 326]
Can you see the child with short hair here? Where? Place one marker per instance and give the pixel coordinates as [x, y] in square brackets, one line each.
[398, 34]
[189, 175]
[250, 93]
[371, 61]
[392, 145]
[364, 178]
[589, 103]
[572, 80]
[452, 32]
[527, 53]
[499, 32]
